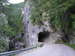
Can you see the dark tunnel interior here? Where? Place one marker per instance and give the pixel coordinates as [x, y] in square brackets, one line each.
[42, 36]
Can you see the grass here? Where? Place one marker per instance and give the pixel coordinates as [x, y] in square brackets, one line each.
[70, 45]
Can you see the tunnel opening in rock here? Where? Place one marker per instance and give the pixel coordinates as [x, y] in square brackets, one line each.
[43, 35]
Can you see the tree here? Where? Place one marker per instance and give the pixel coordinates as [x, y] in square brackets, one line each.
[54, 11]
[10, 22]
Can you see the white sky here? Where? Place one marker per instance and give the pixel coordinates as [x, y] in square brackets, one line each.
[16, 1]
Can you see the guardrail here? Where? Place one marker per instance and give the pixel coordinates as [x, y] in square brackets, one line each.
[15, 52]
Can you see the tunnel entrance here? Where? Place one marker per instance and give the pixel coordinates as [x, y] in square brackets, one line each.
[42, 36]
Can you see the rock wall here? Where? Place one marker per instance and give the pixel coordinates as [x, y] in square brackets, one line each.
[31, 31]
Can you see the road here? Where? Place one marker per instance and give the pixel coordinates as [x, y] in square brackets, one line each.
[50, 50]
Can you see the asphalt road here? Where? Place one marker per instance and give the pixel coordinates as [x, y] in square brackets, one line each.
[50, 50]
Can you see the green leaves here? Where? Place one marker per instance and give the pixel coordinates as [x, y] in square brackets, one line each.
[3, 19]
[10, 22]
[3, 44]
[54, 8]
[14, 18]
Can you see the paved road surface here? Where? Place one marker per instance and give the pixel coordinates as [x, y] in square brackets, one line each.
[50, 50]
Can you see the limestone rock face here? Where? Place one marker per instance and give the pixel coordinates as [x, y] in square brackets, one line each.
[31, 31]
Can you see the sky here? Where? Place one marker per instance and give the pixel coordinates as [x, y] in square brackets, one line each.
[16, 1]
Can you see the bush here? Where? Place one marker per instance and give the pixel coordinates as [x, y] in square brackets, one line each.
[70, 45]
[4, 44]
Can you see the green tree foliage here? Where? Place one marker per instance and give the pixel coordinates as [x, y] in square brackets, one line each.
[57, 13]
[14, 17]
[53, 10]
[3, 22]
[10, 22]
